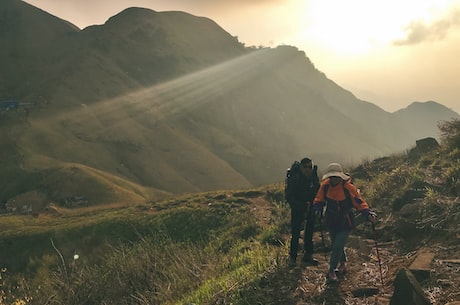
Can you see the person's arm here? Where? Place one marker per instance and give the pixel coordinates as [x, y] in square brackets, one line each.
[320, 201]
[359, 203]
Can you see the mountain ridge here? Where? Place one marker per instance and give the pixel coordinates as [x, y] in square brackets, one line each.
[174, 103]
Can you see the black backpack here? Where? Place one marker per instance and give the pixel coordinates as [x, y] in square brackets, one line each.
[292, 175]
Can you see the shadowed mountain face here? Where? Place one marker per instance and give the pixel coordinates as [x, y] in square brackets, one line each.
[153, 103]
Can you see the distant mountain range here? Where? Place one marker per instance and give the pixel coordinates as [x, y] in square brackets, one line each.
[153, 103]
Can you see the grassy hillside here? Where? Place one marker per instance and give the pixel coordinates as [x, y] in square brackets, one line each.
[198, 233]
[25, 169]
[231, 246]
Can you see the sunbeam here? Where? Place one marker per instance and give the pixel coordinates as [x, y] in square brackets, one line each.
[175, 97]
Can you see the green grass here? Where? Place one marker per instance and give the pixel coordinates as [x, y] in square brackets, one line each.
[169, 252]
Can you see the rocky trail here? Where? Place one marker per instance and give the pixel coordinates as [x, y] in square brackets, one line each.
[417, 262]
[372, 276]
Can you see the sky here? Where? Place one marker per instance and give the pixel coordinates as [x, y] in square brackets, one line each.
[387, 52]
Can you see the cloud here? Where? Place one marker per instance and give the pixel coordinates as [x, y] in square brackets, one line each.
[419, 31]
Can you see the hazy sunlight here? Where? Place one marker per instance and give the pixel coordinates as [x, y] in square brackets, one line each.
[356, 27]
[185, 93]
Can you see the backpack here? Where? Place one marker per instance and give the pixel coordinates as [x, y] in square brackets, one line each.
[334, 216]
[292, 175]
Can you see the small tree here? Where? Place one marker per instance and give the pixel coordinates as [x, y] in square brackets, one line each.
[450, 133]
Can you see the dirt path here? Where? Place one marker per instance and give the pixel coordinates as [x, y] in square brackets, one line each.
[367, 270]
[363, 273]
[308, 284]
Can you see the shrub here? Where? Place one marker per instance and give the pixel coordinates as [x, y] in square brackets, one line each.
[450, 133]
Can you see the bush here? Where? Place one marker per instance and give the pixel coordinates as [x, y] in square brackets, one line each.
[450, 133]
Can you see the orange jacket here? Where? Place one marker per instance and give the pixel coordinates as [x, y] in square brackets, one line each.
[339, 215]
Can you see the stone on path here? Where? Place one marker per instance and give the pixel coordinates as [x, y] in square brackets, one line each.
[408, 290]
[365, 292]
[450, 261]
[421, 266]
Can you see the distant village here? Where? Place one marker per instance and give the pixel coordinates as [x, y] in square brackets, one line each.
[15, 105]
[33, 206]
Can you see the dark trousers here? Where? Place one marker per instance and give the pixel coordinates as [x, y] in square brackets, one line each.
[299, 216]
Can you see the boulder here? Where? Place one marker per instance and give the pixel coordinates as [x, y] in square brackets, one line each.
[421, 266]
[408, 290]
[365, 292]
[426, 144]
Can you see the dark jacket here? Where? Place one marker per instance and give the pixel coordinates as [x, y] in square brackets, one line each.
[301, 189]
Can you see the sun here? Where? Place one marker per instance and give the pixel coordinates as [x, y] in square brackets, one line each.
[357, 27]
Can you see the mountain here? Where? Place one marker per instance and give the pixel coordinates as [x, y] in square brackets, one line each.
[422, 115]
[154, 103]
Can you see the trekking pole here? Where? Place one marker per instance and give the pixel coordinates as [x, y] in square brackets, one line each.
[378, 254]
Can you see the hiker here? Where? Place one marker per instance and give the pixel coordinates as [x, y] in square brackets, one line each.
[301, 189]
[339, 196]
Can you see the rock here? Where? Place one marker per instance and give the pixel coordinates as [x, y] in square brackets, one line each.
[408, 290]
[426, 144]
[356, 242]
[423, 146]
[407, 229]
[450, 261]
[416, 191]
[421, 266]
[365, 292]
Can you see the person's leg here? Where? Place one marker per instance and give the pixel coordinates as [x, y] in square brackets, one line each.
[296, 226]
[308, 234]
[342, 268]
[343, 258]
[338, 243]
[308, 240]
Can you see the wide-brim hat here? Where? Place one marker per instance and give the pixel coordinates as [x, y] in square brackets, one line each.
[335, 170]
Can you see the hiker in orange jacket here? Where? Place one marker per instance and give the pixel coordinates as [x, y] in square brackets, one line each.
[339, 196]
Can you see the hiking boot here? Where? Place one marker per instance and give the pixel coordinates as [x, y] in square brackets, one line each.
[309, 260]
[331, 277]
[342, 269]
[292, 262]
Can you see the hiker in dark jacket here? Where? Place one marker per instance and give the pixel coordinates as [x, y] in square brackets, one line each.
[300, 192]
[339, 196]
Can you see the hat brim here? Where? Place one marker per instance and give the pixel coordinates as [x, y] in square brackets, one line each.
[336, 174]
